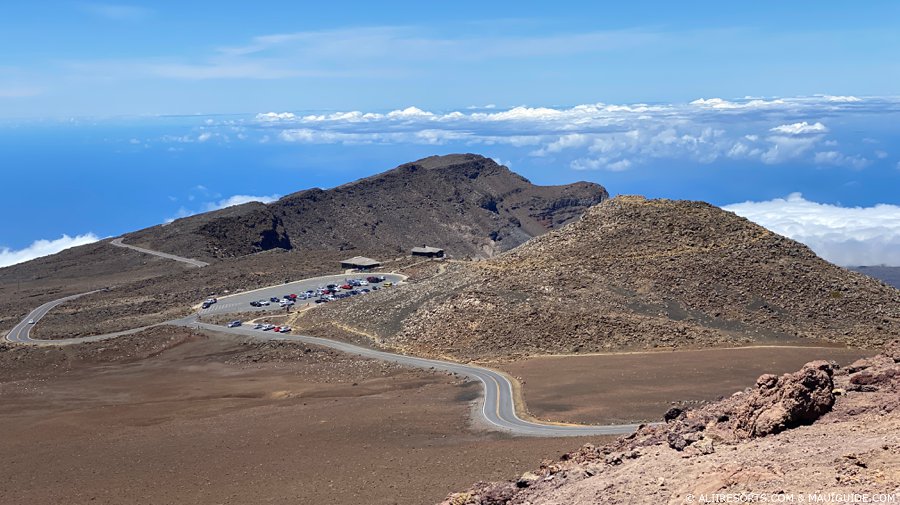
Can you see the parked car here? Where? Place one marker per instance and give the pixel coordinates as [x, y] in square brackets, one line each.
[264, 302]
[277, 329]
[388, 284]
[285, 329]
[254, 304]
[274, 299]
[363, 283]
[372, 279]
[206, 305]
[234, 324]
[347, 286]
[258, 326]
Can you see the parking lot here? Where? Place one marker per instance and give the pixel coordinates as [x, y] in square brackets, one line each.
[241, 302]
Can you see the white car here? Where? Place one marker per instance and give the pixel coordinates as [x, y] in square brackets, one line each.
[363, 283]
[31, 321]
[264, 302]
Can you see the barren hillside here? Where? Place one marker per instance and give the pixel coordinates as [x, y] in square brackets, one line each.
[633, 273]
[464, 203]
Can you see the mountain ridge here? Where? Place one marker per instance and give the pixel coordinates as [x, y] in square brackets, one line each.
[464, 203]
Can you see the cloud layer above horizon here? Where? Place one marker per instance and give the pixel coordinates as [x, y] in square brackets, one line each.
[846, 236]
[40, 248]
[610, 137]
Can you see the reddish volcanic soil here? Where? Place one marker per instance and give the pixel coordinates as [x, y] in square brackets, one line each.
[620, 388]
[172, 417]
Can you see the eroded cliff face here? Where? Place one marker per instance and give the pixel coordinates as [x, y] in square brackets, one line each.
[247, 233]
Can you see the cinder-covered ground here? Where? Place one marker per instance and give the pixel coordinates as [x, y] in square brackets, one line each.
[823, 434]
[170, 416]
[640, 387]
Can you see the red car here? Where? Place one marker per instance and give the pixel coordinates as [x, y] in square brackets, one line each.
[292, 296]
[277, 329]
[346, 286]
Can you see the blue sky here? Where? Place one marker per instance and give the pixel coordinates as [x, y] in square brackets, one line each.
[120, 116]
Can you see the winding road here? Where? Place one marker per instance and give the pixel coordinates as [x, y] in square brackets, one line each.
[498, 403]
[197, 263]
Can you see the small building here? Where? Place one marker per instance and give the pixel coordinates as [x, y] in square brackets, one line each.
[360, 263]
[428, 252]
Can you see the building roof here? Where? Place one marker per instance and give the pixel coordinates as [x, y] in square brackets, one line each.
[361, 261]
[426, 250]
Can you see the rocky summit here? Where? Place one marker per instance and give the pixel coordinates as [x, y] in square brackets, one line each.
[464, 203]
[634, 273]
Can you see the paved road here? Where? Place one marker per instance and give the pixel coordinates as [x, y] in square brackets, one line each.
[498, 406]
[21, 332]
[197, 263]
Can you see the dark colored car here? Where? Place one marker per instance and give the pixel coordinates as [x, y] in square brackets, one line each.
[205, 305]
[254, 304]
[274, 299]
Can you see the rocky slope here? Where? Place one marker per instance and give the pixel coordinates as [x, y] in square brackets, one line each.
[464, 203]
[633, 273]
[822, 431]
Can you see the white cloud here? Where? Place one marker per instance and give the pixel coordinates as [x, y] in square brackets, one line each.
[842, 98]
[843, 235]
[598, 135]
[838, 159]
[601, 164]
[783, 149]
[568, 141]
[618, 166]
[41, 248]
[800, 128]
[220, 204]
[718, 103]
[240, 200]
[275, 116]
[409, 112]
